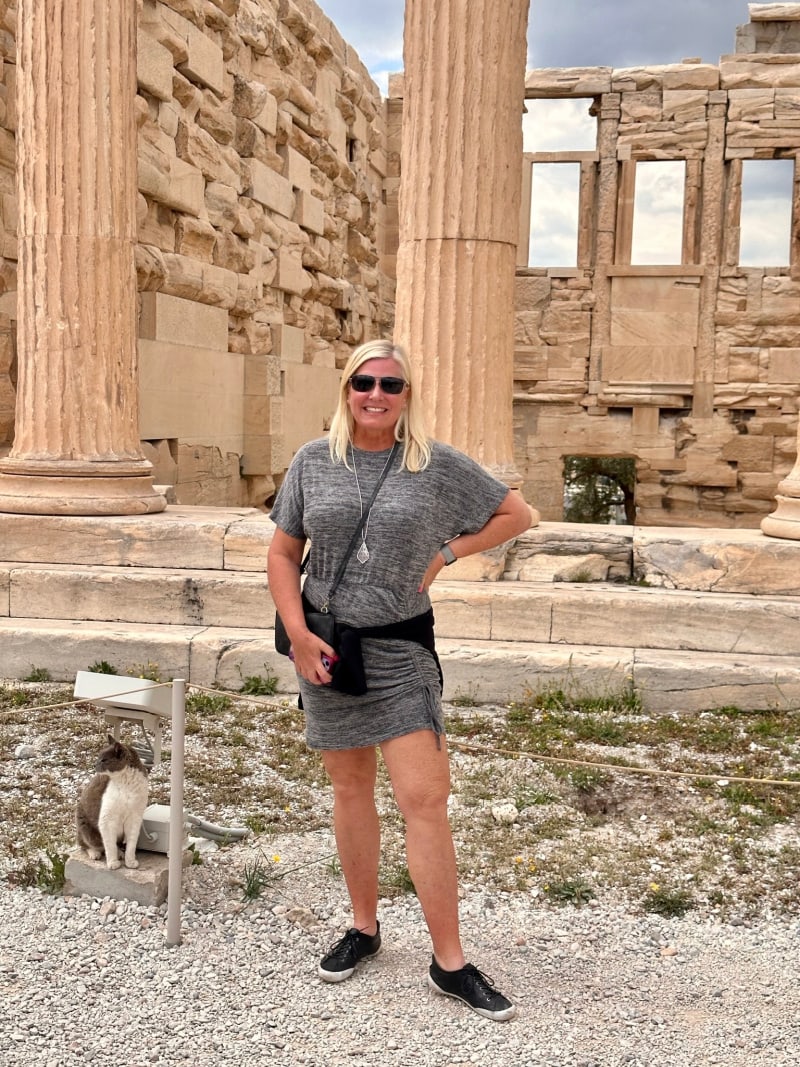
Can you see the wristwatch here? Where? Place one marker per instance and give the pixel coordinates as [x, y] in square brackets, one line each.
[449, 555]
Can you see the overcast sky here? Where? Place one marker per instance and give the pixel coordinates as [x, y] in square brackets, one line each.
[612, 33]
[567, 33]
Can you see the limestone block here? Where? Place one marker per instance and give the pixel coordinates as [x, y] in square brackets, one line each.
[784, 365]
[194, 238]
[290, 275]
[247, 542]
[731, 561]
[204, 62]
[5, 592]
[154, 67]
[223, 657]
[310, 213]
[787, 103]
[296, 168]
[67, 647]
[751, 453]
[751, 105]
[191, 393]
[553, 549]
[267, 117]
[117, 594]
[270, 189]
[761, 71]
[147, 884]
[220, 286]
[165, 469]
[183, 322]
[505, 671]
[773, 12]
[685, 105]
[288, 342]
[565, 326]
[181, 187]
[641, 107]
[669, 680]
[311, 395]
[653, 364]
[561, 81]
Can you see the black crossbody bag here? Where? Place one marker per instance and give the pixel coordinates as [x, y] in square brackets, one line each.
[348, 671]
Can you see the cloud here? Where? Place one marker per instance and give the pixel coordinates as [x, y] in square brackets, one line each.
[620, 33]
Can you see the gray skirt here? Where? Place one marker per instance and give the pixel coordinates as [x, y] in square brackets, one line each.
[403, 695]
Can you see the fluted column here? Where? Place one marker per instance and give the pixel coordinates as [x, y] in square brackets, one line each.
[76, 446]
[460, 194]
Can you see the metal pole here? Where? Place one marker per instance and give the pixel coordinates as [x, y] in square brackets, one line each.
[176, 817]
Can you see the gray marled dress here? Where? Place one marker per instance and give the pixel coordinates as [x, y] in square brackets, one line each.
[411, 518]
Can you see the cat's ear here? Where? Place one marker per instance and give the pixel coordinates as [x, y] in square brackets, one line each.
[111, 739]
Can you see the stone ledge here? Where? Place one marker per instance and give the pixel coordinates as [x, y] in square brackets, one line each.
[146, 884]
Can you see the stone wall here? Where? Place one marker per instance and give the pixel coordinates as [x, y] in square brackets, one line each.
[262, 156]
[692, 369]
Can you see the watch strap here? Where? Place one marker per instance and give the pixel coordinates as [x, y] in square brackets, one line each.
[449, 555]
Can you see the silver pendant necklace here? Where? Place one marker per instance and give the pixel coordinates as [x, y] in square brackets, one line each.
[363, 553]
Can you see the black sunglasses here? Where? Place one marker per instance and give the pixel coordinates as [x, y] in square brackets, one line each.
[365, 383]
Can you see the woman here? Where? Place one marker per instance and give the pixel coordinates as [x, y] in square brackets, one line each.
[435, 505]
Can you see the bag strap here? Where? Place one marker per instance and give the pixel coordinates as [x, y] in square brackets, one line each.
[356, 533]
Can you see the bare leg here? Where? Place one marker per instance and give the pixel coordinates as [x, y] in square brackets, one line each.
[420, 774]
[355, 823]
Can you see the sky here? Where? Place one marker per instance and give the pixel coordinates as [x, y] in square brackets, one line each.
[588, 33]
[566, 33]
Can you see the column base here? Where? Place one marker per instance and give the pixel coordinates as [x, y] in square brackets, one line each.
[26, 494]
[785, 520]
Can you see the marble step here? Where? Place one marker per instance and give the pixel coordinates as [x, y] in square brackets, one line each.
[583, 613]
[496, 671]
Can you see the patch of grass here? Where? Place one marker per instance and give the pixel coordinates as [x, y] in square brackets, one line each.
[260, 685]
[47, 873]
[395, 881]
[669, 903]
[102, 666]
[38, 674]
[208, 703]
[575, 891]
[466, 698]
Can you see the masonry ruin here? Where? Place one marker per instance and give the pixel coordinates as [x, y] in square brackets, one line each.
[266, 248]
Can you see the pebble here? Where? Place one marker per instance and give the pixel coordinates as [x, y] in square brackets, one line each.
[590, 989]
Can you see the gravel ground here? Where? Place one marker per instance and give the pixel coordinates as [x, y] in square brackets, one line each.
[86, 981]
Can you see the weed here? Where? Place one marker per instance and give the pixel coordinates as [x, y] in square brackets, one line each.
[47, 874]
[256, 878]
[259, 685]
[208, 703]
[335, 866]
[37, 674]
[670, 903]
[466, 698]
[396, 880]
[575, 891]
[102, 666]
[147, 671]
[256, 823]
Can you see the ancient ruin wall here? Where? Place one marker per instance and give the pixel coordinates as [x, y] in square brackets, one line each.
[690, 369]
[262, 156]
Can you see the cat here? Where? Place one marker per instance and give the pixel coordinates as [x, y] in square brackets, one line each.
[111, 806]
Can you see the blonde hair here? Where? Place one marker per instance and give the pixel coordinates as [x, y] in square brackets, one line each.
[409, 428]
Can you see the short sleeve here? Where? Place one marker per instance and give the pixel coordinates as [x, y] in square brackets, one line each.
[288, 509]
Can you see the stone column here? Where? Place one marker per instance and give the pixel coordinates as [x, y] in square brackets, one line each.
[460, 192]
[785, 519]
[76, 447]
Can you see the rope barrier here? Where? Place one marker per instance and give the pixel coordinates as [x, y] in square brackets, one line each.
[657, 772]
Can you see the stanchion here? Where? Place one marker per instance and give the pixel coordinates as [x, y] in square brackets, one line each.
[176, 818]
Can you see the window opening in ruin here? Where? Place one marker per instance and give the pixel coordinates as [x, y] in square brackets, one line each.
[555, 200]
[766, 216]
[600, 489]
[658, 212]
[559, 126]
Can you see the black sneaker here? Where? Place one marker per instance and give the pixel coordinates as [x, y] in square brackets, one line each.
[341, 959]
[474, 988]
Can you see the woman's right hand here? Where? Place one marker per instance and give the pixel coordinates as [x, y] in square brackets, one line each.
[308, 650]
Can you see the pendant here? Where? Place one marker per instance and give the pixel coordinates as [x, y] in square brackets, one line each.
[363, 553]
